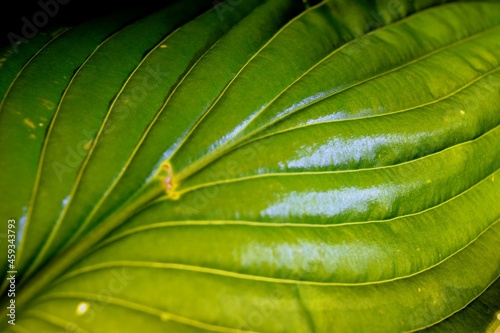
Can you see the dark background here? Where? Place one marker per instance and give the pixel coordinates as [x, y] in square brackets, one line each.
[69, 14]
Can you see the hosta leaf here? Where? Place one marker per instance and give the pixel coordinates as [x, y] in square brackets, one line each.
[256, 166]
[24, 121]
[66, 177]
[138, 151]
[230, 302]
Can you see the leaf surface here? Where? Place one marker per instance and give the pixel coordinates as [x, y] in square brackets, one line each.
[256, 166]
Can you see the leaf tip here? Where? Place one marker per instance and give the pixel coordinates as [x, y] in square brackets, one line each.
[167, 176]
[82, 308]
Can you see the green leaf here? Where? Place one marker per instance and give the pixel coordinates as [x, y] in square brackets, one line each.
[24, 121]
[481, 315]
[255, 166]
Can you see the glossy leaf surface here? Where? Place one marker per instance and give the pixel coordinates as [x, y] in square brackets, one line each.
[260, 166]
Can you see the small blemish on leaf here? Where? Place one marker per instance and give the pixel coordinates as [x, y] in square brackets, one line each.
[29, 123]
[87, 145]
[462, 112]
[32, 136]
[163, 46]
[168, 179]
[48, 104]
[165, 317]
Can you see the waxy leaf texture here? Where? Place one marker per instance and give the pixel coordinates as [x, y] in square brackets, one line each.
[255, 166]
